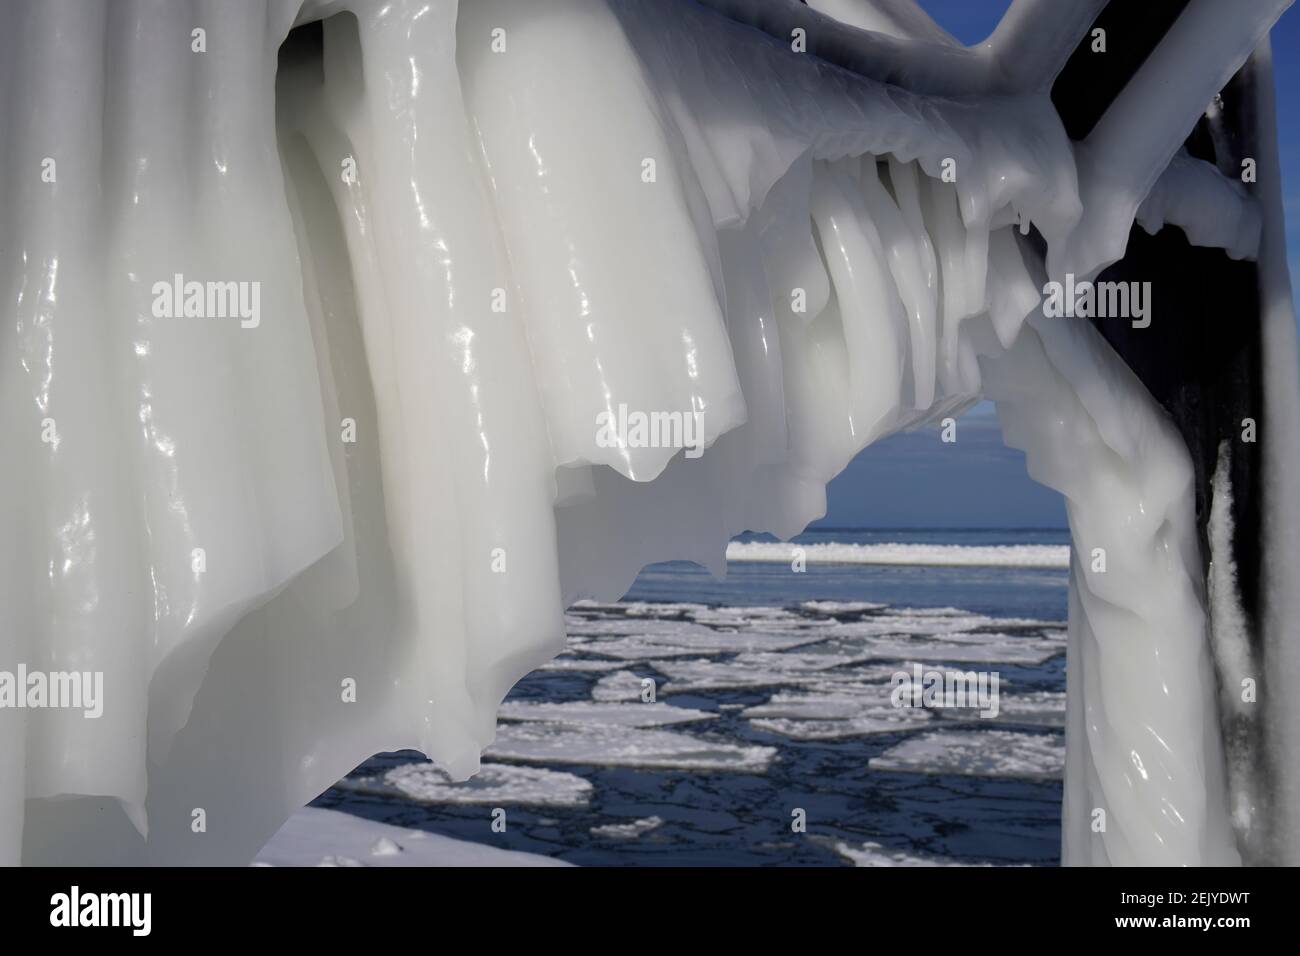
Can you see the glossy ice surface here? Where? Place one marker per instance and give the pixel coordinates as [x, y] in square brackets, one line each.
[343, 513]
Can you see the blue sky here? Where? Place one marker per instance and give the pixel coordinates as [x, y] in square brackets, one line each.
[915, 480]
[1286, 77]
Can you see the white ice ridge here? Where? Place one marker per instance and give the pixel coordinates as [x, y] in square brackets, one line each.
[941, 555]
[351, 525]
[1210, 208]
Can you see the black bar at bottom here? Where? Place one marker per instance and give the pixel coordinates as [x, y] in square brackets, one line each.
[348, 907]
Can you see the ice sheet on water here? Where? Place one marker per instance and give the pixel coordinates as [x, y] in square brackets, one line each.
[622, 685]
[837, 674]
[982, 649]
[623, 649]
[841, 607]
[889, 721]
[812, 629]
[615, 746]
[831, 712]
[743, 616]
[657, 644]
[766, 670]
[567, 663]
[986, 753]
[1036, 708]
[873, 854]
[636, 608]
[595, 712]
[494, 785]
[655, 609]
[608, 626]
[1021, 709]
[604, 607]
[948, 635]
[922, 621]
[627, 831]
[833, 702]
[902, 633]
[930, 612]
[590, 617]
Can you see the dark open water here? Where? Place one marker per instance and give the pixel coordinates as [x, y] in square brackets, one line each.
[734, 818]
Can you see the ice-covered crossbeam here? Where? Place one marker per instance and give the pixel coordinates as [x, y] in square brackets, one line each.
[1122, 157]
[895, 42]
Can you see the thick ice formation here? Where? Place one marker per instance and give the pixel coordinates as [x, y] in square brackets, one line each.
[477, 234]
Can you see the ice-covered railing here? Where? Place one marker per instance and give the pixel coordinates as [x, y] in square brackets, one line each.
[1126, 152]
[898, 43]
[350, 525]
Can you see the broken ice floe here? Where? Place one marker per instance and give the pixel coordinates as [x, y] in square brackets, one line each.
[834, 608]
[830, 683]
[836, 712]
[594, 712]
[851, 648]
[765, 670]
[621, 685]
[614, 746]
[655, 645]
[988, 753]
[878, 722]
[924, 622]
[837, 702]
[617, 626]
[627, 831]
[825, 691]
[567, 663]
[973, 648]
[1042, 708]
[873, 854]
[746, 616]
[840, 710]
[494, 785]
